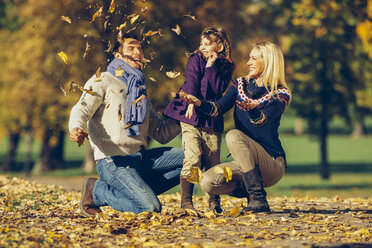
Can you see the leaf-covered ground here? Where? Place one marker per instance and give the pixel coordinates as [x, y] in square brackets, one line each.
[38, 215]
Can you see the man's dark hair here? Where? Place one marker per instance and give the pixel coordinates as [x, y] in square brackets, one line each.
[131, 35]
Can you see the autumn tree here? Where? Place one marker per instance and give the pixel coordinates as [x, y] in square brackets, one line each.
[325, 60]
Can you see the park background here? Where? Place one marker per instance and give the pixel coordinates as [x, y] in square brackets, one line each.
[327, 45]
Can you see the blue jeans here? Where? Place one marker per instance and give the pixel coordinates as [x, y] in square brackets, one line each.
[131, 183]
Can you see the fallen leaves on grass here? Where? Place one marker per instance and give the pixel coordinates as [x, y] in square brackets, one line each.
[36, 215]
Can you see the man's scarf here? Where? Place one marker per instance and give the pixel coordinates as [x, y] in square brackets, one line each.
[135, 110]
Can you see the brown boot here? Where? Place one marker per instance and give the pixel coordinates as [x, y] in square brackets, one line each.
[187, 189]
[214, 203]
[87, 206]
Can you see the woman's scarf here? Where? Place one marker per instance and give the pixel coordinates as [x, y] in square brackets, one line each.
[137, 101]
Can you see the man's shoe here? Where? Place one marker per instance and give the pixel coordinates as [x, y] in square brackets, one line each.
[87, 206]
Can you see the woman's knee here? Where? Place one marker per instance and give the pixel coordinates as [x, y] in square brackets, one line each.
[233, 136]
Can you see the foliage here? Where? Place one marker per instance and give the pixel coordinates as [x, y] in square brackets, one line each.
[46, 215]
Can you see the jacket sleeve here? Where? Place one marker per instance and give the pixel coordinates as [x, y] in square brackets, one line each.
[87, 104]
[162, 131]
[193, 76]
[221, 106]
[215, 80]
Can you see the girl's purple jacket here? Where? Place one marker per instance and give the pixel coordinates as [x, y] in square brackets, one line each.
[207, 84]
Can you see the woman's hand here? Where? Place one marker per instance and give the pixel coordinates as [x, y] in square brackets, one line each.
[247, 105]
[190, 99]
[211, 59]
[190, 111]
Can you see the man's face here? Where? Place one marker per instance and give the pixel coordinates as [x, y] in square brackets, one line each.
[132, 53]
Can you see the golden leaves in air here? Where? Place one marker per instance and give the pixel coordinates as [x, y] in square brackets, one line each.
[119, 113]
[172, 74]
[63, 56]
[97, 14]
[133, 18]
[119, 72]
[177, 29]
[196, 175]
[98, 74]
[66, 19]
[87, 49]
[140, 98]
[112, 6]
[190, 16]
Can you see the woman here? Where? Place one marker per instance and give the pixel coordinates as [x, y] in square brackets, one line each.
[258, 156]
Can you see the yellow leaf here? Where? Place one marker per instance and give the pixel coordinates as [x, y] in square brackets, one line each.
[63, 56]
[190, 16]
[151, 33]
[227, 173]
[119, 73]
[172, 74]
[66, 19]
[134, 18]
[234, 212]
[152, 79]
[98, 71]
[218, 170]
[210, 214]
[97, 14]
[191, 212]
[119, 113]
[177, 29]
[143, 96]
[112, 6]
[87, 49]
[122, 26]
[196, 175]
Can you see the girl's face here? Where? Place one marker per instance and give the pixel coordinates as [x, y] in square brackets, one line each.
[209, 46]
[256, 63]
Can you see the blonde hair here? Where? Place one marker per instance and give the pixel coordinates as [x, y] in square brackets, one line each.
[219, 35]
[273, 74]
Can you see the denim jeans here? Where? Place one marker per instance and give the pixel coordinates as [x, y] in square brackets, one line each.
[131, 183]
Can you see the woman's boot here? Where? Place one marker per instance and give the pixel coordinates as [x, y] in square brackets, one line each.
[215, 203]
[257, 201]
[187, 189]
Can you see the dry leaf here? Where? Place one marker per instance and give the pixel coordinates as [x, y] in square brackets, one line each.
[119, 113]
[112, 6]
[134, 18]
[98, 71]
[140, 98]
[227, 173]
[196, 175]
[234, 212]
[190, 16]
[177, 29]
[152, 79]
[97, 14]
[119, 73]
[66, 19]
[109, 47]
[87, 49]
[122, 26]
[172, 74]
[63, 56]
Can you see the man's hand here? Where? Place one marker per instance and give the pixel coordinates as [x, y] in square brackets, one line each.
[190, 99]
[190, 111]
[78, 135]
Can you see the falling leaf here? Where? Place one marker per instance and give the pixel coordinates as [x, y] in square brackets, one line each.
[66, 19]
[97, 14]
[122, 26]
[152, 79]
[108, 105]
[227, 173]
[140, 98]
[119, 113]
[161, 68]
[119, 73]
[234, 212]
[63, 90]
[218, 170]
[98, 71]
[63, 56]
[172, 74]
[89, 91]
[196, 175]
[143, 10]
[190, 16]
[134, 18]
[151, 33]
[87, 49]
[177, 29]
[112, 6]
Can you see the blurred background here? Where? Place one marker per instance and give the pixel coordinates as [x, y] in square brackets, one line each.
[327, 45]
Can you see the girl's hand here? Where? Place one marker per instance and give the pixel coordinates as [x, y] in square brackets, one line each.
[247, 105]
[190, 99]
[190, 111]
[211, 59]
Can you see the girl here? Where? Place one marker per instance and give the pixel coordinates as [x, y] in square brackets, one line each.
[259, 99]
[208, 73]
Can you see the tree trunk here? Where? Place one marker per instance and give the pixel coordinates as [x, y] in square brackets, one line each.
[51, 157]
[28, 152]
[89, 164]
[10, 159]
[299, 126]
[359, 129]
[324, 166]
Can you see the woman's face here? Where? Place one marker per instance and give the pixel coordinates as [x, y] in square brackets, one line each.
[256, 63]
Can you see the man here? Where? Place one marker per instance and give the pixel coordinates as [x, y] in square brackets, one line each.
[120, 119]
